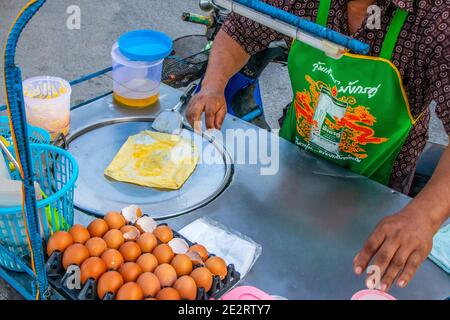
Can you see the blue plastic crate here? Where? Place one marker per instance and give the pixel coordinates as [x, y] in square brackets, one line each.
[56, 172]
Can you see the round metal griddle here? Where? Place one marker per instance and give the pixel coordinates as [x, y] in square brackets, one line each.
[94, 147]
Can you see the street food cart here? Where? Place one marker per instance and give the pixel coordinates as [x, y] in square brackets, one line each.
[310, 218]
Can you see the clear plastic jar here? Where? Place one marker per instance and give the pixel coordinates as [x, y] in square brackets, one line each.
[47, 104]
[136, 83]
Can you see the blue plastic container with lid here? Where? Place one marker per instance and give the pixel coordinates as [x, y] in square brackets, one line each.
[137, 66]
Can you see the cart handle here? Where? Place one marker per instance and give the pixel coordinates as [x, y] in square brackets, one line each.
[275, 17]
[16, 111]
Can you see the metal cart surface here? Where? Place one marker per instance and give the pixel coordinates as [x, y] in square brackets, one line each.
[311, 218]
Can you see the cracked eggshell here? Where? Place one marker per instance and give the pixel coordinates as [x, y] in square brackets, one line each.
[201, 250]
[131, 214]
[195, 258]
[130, 233]
[178, 245]
[146, 224]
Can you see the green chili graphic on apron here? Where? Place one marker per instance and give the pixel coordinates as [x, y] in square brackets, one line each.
[353, 110]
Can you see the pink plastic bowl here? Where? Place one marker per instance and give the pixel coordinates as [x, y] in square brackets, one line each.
[246, 293]
[372, 295]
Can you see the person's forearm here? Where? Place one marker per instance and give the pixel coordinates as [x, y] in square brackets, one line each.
[401, 242]
[226, 59]
[434, 200]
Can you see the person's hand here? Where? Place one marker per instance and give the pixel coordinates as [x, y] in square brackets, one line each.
[210, 101]
[399, 244]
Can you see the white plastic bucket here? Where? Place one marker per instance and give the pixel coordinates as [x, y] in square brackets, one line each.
[136, 83]
[47, 104]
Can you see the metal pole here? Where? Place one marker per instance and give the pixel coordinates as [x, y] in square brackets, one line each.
[16, 110]
[331, 42]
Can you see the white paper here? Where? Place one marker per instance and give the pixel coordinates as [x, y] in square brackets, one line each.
[233, 247]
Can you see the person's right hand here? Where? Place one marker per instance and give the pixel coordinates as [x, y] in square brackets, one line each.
[212, 103]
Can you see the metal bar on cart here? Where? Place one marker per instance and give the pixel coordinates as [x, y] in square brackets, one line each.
[9, 154]
[90, 76]
[331, 42]
[84, 103]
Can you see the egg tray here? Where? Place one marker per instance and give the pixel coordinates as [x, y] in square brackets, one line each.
[59, 279]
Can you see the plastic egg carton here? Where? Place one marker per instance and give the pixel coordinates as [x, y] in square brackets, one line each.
[59, 279]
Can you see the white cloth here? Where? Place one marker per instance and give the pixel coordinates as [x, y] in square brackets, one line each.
[441, 249]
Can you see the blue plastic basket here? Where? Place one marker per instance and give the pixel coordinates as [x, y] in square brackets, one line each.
[56, 171]
[36, 135]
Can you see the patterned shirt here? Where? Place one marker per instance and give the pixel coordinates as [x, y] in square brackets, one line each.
[422, 55]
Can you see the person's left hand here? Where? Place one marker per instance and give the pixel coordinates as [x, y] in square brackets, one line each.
[399, 244]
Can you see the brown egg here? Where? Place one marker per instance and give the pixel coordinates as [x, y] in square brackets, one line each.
[115, 220]
[98, 228]
[168, 294]
[147, 242]
[182, 265]
[79, 234]
[149, 284]
[96, 246]
[112, 258]
[163, 253]
[163, 233]
[110, 281]
[130, 251]
[75, 254]
[92, 267]
[186, 287]
[130, 271]
[114, 239]
[130, 233]
[203, 278]
[147, 262]
[130, 291]
[217, 266]
[166, 274]
[59, 241]
[201, 250]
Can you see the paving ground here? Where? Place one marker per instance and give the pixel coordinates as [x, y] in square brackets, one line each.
[8, 293]
[48, 47]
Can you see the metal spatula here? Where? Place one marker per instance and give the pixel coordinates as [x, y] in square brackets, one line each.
[171, 121]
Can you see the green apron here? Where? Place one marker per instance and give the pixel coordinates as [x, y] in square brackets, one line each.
[353, 110]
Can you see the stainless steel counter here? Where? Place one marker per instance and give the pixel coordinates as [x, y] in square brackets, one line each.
[310, 225]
